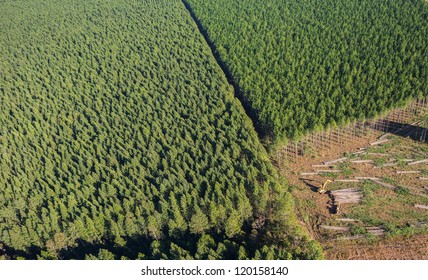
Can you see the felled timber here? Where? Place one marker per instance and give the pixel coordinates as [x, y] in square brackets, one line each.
[367, 178]
[409, 172]
[389, 164]
[352, 195]
[348, 220]
[386, 185]
[379, 142]
[363, 161]
[418, 162]
[421, 206]
[343, 229]
[347, 180]
[335, 160]
[378, 154]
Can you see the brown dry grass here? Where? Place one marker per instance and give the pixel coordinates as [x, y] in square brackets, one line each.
[399, 248]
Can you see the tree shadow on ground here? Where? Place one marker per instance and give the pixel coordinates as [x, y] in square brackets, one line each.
[312, 184]
[414, 132]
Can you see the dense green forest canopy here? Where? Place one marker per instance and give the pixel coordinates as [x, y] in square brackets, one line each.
[120, 137]
[306, 65]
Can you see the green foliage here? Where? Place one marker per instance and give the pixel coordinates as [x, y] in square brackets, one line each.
[388, 180]
[198, 222]
[402, 190]
[345, 167]
[105, 255]
[119, 130]
[406, 230]
[307, 64]
[368, 192]
[356, 229]
[233, 225]
[379, 161]
[314, 251]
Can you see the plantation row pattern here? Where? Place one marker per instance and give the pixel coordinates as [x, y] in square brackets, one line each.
[311, 65]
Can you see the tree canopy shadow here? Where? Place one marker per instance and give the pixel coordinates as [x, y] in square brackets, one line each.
[414, 132]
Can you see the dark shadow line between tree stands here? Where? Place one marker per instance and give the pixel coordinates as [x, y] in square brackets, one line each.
[262, 131]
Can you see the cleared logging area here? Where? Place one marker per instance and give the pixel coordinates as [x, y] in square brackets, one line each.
[380, 193]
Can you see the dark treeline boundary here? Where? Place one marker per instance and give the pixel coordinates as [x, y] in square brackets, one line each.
[262, 131]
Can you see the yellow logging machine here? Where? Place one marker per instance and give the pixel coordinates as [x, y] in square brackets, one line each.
[323, 189]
